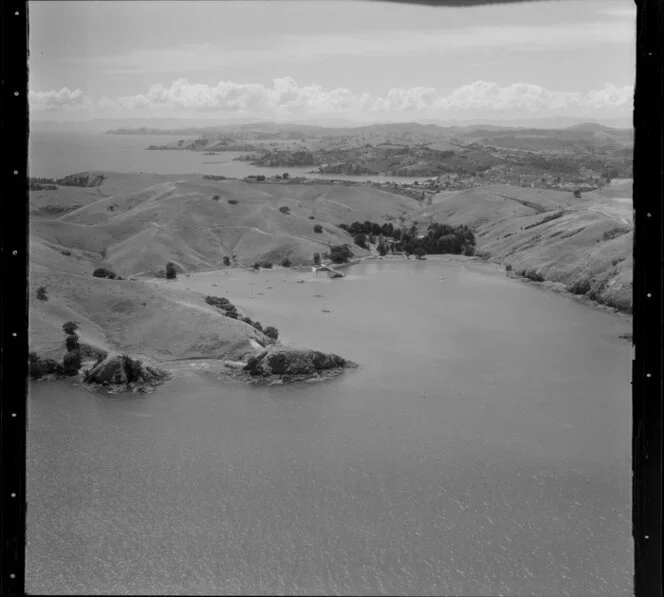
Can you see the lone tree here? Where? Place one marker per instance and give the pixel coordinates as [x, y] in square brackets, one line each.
[171, 273]
[318, 228]
[271, 332]
[285, 176]
[70, 327]
[72, 343]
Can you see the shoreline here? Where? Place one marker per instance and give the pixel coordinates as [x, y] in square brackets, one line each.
[555, 287]
[231, 368]
[549, 285]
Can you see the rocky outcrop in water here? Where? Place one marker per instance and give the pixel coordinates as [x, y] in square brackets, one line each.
[292, 364]
[121, 373]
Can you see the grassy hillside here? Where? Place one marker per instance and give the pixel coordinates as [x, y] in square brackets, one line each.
[131, 316]
[195, 222]
[135, 224]
[584, 244]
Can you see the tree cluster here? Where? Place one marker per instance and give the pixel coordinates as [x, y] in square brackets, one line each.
[439, 238]
[231, 311]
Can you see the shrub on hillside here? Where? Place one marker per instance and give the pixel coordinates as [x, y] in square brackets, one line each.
[226, 261]
[271, 332]
[547, 218]
[265, 264]
[216, 197]
[614, 233]
[316, 258]
[318, 228]
[103, 272]
[248, 320]
[532, 274]
[171, 272]
[258, 326]
[70, 327]
[33, 366]
[484, 255]
[286, 263]
[284, 209]
[312, 218]
[579, 287]
[256, 266]
[233, 201]
[40, 366]
[508, 267]
[41, 293]
[219, 302]
[71, 362]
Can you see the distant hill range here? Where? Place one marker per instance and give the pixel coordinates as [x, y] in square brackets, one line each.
[586, 154]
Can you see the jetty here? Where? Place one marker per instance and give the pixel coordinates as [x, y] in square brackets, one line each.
[331, 272]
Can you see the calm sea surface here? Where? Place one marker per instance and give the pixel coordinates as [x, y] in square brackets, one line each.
[483, 448]
[57, 154]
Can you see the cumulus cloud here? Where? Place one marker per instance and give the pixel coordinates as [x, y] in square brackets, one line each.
[285, 96]
[63, 99]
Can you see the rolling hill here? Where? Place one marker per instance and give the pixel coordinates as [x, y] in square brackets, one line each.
[135, 224]
[195, 222]
[584, 244]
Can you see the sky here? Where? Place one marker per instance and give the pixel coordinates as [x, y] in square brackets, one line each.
[317, 59]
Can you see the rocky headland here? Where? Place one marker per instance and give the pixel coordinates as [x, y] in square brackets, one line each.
[280, 364]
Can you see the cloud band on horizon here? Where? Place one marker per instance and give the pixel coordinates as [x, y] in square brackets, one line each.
[285, 97]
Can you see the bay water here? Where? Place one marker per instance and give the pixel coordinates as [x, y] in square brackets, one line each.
[481, 448]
